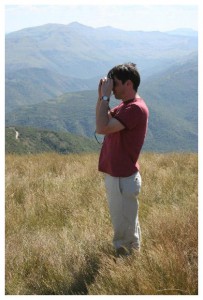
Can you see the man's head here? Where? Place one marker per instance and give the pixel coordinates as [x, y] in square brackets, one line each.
[126, 72]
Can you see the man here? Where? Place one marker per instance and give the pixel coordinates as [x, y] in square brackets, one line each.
[124, 128]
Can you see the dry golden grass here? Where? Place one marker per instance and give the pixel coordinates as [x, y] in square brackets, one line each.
[58, 230]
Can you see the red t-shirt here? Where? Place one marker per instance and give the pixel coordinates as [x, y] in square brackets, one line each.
[120, 150]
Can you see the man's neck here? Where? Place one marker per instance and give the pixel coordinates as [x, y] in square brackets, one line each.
[131, 97]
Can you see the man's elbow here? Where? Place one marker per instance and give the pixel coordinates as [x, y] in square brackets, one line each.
[100, 130]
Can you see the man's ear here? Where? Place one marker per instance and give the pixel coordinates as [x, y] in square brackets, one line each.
[129, 83]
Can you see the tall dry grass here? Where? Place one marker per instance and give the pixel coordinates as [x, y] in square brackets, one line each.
[58, 230]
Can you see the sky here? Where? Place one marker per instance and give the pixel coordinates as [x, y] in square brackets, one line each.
[146, 17]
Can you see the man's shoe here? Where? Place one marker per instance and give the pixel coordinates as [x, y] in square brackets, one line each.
[122, 251]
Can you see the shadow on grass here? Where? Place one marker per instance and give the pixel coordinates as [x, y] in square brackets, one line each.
[85, 277]
[60, 286]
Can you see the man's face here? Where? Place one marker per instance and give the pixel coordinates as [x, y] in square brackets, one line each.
[118, 88]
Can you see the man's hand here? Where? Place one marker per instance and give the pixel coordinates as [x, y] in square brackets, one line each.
[105, 87]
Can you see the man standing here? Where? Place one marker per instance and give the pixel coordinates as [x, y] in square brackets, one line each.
[124, 128]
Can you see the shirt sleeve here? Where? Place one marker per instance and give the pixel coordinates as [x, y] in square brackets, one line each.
[113, 112]
[129, 116]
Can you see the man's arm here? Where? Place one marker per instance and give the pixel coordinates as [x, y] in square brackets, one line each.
[105, 124]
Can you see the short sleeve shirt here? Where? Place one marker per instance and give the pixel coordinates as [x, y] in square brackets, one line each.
[120, 150]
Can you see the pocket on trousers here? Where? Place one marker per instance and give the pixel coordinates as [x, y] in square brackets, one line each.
[131, 186]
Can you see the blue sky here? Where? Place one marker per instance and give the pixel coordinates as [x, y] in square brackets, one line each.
[145, 17]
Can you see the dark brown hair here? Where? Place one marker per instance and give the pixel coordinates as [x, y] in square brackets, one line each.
[124, 72]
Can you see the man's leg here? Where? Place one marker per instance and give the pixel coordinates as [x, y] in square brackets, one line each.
[130, 188]
[123, 205]
[115, 202]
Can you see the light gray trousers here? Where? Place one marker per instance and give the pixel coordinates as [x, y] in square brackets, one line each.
[122, 194]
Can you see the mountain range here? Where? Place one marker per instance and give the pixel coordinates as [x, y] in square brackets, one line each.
[52, 72]
[46, 61]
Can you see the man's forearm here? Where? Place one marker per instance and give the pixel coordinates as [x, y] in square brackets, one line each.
[98, 106]
[102, 117]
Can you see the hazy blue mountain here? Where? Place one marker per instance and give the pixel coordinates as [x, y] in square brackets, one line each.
[80, 51]
[46, 61]
[171, 96]
[173, 101]
[184, 31]
[35, 85]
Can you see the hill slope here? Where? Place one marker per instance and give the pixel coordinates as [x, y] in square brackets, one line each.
[171, 96]
[32, 140]
[35, 85]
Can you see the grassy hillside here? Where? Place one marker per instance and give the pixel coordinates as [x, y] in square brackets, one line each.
[33, 140]
[58, 231]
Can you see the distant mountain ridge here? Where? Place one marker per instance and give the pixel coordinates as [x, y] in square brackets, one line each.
[46, 61]
[52, 72]
[183, 32]
[84, 52]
